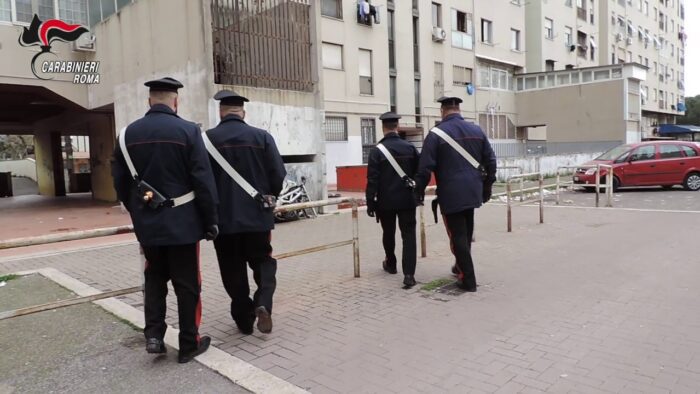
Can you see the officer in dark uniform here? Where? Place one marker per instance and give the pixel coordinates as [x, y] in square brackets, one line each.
[245, 223]
[168, 156]
[389, 196]
[460, 186]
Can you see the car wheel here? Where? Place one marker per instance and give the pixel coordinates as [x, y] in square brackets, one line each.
[692, 182]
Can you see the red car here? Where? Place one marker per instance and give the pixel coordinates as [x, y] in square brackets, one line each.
[653, 163]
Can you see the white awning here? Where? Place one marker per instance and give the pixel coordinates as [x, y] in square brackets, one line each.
[643, 93]
[657, 42]
[647, 36]
[495, 60]
[631, 27]
[593, 44]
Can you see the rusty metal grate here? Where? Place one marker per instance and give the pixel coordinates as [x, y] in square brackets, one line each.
[264, 44]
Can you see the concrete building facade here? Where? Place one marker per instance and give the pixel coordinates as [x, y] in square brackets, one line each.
[138, 40]
[480, 50]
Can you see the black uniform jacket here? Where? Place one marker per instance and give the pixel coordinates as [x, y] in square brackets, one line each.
[254, 155]
[459, 184]
[383, 183]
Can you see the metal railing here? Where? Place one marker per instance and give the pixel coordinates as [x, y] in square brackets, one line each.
[103, 232]
[509, 196]
[609, 182]
[540, 148]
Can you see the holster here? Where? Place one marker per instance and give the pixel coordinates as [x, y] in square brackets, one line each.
[409, 183]
[150, 196]
[267, 202]
[434, 206]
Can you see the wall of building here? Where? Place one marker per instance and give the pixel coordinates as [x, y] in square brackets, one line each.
[22, 168]
[577, 113]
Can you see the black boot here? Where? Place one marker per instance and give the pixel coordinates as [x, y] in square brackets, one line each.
[264, 320]
[204, 343]
[389, 266]
[155, 346]
[409, 281]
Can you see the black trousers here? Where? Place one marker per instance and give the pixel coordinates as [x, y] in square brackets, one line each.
[235, 252]
[460, 229]
[407, 226]
[179, 264]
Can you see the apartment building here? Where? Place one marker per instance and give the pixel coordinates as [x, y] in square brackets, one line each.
[479, 50]
[263, 50]
[415, 52]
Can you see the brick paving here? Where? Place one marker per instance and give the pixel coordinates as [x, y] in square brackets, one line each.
[594, 301]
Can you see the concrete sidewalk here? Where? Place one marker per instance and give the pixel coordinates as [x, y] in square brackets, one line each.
[84, 349]
[593, 301]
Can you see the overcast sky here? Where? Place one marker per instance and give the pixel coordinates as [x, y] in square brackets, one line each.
[692, 49]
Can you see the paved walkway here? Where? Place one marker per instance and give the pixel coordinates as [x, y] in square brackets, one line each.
[593, 301]
[84, 349]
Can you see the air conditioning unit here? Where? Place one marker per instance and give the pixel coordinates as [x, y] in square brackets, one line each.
[618, 37]
[629, 40]
[571, 47]
[85, 43]
[439, 34]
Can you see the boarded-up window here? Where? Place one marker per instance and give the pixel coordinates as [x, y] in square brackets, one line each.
[369, 137]
[365, 71]
[439, 82]
[332, 8]
[332, 55]
[262, 44]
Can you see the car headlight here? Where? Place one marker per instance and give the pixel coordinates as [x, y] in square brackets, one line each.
[590, 171]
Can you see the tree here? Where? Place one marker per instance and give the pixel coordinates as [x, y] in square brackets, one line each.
[692, 112]
[14, 147]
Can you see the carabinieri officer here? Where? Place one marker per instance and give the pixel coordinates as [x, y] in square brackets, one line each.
[163, 176]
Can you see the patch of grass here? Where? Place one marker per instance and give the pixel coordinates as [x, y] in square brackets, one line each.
[435, 284]
[7, 278]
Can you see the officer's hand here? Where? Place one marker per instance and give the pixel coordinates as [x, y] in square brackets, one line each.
[211, 233]
[370, 211]
[419, 196]
[487, 194]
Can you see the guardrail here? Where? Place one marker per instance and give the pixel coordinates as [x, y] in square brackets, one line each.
[103, 232]
[509, 196]
[609, 182]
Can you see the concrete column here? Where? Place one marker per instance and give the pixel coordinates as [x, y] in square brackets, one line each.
[102, 140]
[49, 164]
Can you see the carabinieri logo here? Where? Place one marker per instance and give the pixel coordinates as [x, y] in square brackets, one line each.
[43, 34]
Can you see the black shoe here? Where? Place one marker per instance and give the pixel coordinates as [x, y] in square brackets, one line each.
[204, 343]
[155, 346]
[264, 320]
[245, 329]
[390, 268]
[469, 288]
[455, 270]
[409, 281]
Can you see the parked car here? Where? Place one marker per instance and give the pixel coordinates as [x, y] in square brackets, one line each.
[653, 163]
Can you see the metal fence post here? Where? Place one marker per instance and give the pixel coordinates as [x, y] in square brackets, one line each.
[508, 198]
[355, 238]
[522, 187]
[541, 199]
[611, 182]
[558, 181]
[423, 240]
[597, 186]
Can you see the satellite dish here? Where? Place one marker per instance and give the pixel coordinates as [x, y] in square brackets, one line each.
[470, 89]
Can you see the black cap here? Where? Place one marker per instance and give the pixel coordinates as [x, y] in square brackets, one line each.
[449, 101]
[166, 84]
[389, 116]
[230, 98]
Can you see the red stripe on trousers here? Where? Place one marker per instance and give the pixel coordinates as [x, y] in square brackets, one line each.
[198, 310]
[460, 275]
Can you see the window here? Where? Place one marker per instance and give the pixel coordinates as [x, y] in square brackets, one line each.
[416, 47]
[548, 28]
[646, 152]
[25, 10]
[363, 18]
[669, 152]
[73, 11]
[392, 94]
[416, 90]
[437, 14]
[335, 128]
[462, 30]
[100, 10]
[365, 71]
[392, 43]
[495, 78]
[569, 3]
[332, 8]
[497, 126]
[645, 7]
[369, 137]
[568, 36]
[439, 82]
[656, 68]
[486, 31]
[689, 152]
[5, 11]
[549, 65]
[332, 56]
[515, 40]
[461, 76]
